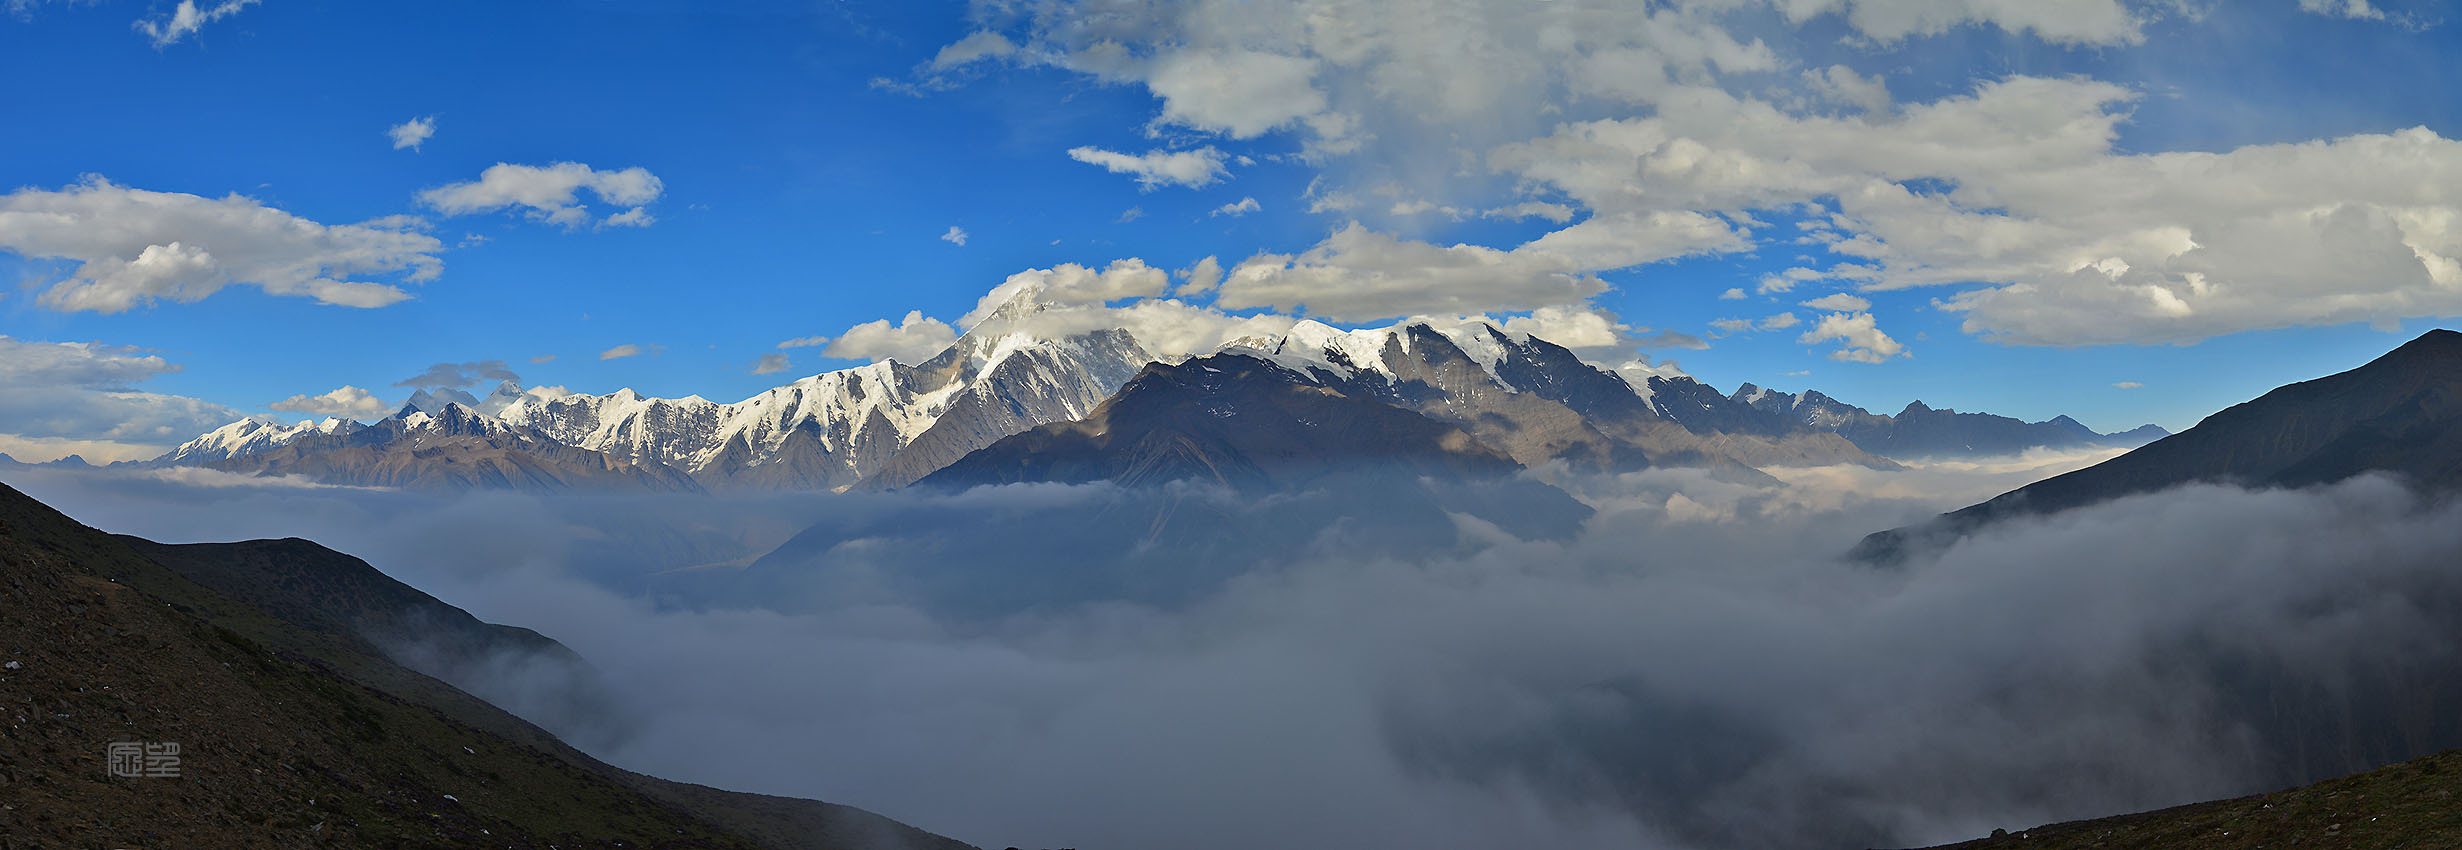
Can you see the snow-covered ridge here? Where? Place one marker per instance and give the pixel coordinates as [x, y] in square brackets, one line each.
[690, 433]
[249, 436]
[1310, 344]
[822, 431]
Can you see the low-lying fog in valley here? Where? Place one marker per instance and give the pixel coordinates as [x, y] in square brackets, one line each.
[1692, 665]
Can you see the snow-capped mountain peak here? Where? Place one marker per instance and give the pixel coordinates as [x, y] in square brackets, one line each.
[248, 436]
[1311, 344]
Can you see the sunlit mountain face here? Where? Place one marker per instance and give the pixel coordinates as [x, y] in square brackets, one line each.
[1702, 424]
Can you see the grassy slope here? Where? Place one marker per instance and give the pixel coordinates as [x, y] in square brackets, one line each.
[2415, 805]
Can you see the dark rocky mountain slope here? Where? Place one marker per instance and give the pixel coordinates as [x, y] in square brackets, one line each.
[2399, 414]
[1235, 420]
[291, 733]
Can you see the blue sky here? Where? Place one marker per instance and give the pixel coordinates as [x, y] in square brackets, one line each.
[803, 162]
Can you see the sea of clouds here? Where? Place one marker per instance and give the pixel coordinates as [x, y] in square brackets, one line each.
[1692, 665]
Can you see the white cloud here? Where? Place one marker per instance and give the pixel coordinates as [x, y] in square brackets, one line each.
[134, 246]
[1201, 277]
[1237, 208]
[1239, 93]
[914, 340]
[1360, 275]
[805, 342]
[1661, 132]
[1158, 168]
[955, 236]
[635, 217]
[1624, 240]
[2059, 21]
[1780, 322]
[1839, 302]
[1859, 337]
[769, 364]
[58, 398]
[1784, 281]
[621, 351]
[1576, 328]
[1070, 284]
[1840, 83]
[2357, 9]
[1554, 212]
[412, 133]
[348, 402]
[187, 18]
[551, 193]
[974, 47]
[2127, 385]
[1732, 294]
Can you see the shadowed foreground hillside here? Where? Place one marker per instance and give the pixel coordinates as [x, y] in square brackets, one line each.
[2416, 805]
[291, 737]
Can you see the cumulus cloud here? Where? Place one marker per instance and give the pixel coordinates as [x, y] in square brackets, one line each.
[1839, 302]
[1859, 338]
[912, 340]
[1555, 212]
[1572, 327]
[551, 193]
[1732, 294]
[1780, 322]
[1158, 168]
[1659, 122]
[975, 47]
[134, 246]
[1624, 240]
[412, 133]
[1840, 83]
[2058, 21]
[1070, 284]
[1237, 208]
[1357, 274]
[348, 402]
[805, 342]
[2356, 9]
[770, 364]
[58, 398]
[623, 351]
[1239, 93]
[187, 18]
[2074, 242]
[955, 236]
[460, 375]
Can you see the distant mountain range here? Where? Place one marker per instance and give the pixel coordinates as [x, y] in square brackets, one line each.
[885, 425]
[2399, 414]
[1921, 431]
